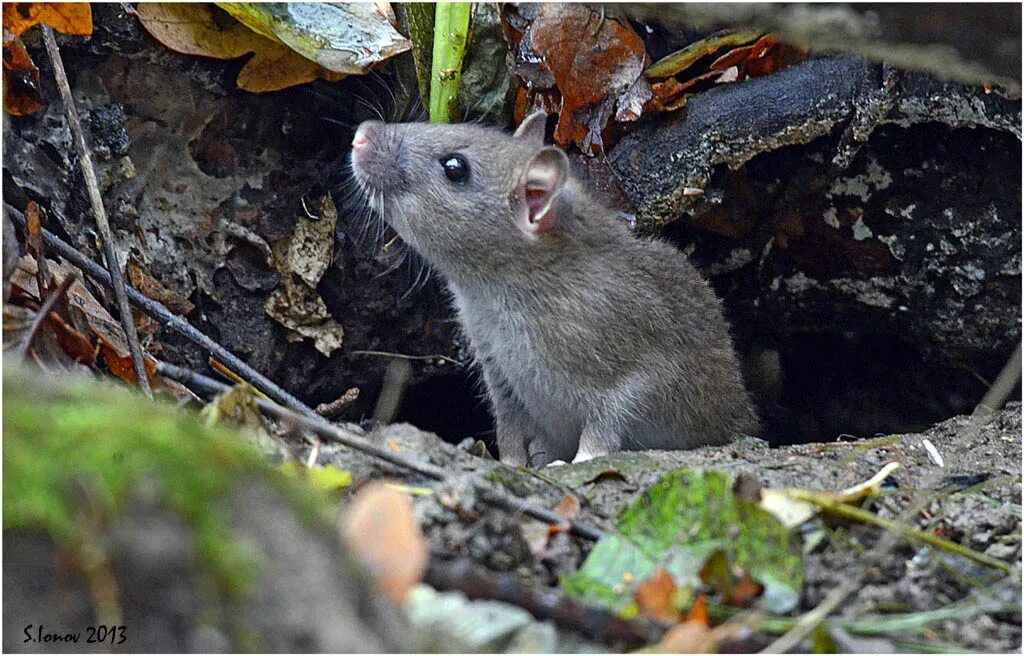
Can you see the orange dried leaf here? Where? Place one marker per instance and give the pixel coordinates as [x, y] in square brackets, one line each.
[765, 56]
[699, 611]
[192, 29]
[120, 363]
[65, 17]
[22, 93]
[568, 506]
[154, 289]
[654, 596]
[745, 591]
[381, 529]
[597, 63]
[276, 67]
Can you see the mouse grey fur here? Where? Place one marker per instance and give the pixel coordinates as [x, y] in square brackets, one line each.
[589, 339]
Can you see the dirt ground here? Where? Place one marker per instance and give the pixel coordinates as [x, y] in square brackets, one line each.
[973, 498]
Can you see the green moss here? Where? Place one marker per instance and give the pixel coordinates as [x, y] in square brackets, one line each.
[88, 448]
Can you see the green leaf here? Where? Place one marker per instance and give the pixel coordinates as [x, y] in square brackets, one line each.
[342, 37]
[677, 524]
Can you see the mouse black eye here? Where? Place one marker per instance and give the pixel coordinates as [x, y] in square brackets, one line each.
[455, 166]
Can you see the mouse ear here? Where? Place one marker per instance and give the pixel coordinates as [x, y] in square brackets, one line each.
[540, 186]
[532, 128]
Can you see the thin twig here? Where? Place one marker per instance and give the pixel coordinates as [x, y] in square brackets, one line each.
[591, 621]
[847, 511]
[403, 356]
[98, 211]
[1003, 386]
[44, 312]
[168, 319]
[319, 426]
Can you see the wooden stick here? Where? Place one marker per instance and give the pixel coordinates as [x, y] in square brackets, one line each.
[98, 211]
[321, 427]
[44, 312]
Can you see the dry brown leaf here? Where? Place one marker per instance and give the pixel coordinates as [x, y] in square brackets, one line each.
[569, 506]
[302, 259]
[277, 67]
[745, 591]
[152, 288]
[79, 316]
[22, 94]
[654, 597]
[699, 611]
[65, 17]
[191, 29]
[763, 57]
[597, 63]
[380, 527]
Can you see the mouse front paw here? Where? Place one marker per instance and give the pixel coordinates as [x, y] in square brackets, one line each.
[584, 455]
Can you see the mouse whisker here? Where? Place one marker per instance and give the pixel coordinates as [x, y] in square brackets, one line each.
[344, 124]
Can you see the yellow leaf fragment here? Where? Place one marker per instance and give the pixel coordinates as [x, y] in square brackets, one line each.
[793, 512]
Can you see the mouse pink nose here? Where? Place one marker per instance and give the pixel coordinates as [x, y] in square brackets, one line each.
[360, 142]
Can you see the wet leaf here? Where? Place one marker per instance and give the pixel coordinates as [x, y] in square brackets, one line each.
[193, 29]
[380, 527]
[677, 524]
[348, 38]
[680, 60]
[65, 17]
[302, 260]
[596, 62]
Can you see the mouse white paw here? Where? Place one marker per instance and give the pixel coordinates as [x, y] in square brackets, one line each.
[584, 455]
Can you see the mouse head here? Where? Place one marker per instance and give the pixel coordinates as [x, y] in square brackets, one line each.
[465, 196]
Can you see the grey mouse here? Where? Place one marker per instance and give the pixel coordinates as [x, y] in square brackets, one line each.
[589, 339]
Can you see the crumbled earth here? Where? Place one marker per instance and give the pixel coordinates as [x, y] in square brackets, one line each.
[973, 498]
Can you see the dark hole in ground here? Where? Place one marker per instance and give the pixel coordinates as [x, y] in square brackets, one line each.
[451, 406]
[865, 385]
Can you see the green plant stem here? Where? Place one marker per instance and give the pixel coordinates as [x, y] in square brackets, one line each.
[451, 26]
[850, 512]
